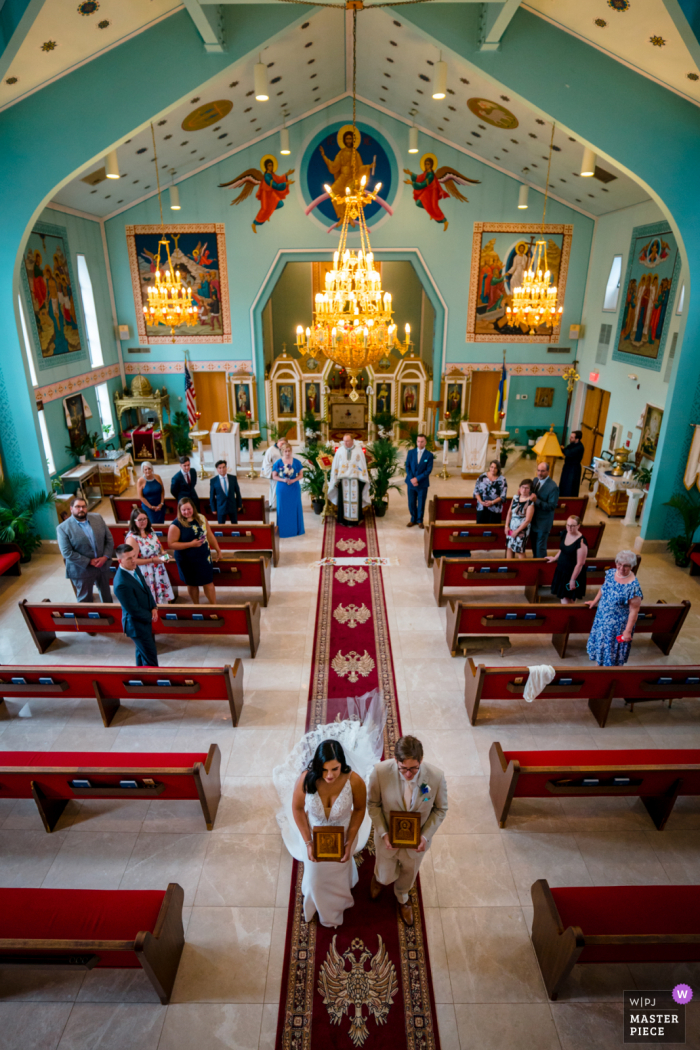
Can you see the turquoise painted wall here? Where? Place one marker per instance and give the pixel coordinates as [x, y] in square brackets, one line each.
[522, 415]
[627, 397]
[447, 255]
[291, 305]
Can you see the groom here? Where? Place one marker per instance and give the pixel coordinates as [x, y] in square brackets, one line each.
[404, 782]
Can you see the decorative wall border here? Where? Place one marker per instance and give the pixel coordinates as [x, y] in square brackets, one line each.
[512, 370]
[133, 368]
[69, 386]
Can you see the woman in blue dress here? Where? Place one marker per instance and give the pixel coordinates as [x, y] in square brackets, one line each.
[287, 472]
[151, 492]
[617, 608]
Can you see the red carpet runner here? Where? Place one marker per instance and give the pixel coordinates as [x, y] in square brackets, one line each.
[379, 1000]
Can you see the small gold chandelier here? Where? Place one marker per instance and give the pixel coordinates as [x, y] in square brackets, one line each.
[169, 300]
[535, 301]
[353, 319]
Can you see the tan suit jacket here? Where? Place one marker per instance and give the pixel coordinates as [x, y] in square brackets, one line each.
[386, 789]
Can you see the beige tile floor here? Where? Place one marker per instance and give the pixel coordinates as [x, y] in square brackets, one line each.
[236, 878]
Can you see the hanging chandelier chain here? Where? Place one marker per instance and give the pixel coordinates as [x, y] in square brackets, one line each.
[546, 185]
[155, 161]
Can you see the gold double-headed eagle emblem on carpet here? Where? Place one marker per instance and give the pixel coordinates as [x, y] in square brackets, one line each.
[351, 576]
[346, 990]
[351, 615]
[351, 545]
[353, 665]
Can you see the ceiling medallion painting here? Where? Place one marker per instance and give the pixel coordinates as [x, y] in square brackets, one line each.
[619, 5]
[88, 7]
[206, 115]
[493, 113]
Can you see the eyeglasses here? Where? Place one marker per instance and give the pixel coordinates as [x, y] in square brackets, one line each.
[408, 769]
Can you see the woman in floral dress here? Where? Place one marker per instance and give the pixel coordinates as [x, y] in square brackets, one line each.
[151, 558]
[519, 521]
[617, 608]
[490, 490]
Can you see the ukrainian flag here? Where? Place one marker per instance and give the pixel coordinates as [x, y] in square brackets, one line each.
[501, 396]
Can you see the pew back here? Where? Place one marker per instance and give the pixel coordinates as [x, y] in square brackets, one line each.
[46, 619]
[244, 572]
[447, 508]
[663, 621]
[238, 538]
[449, 538]
[255, 508]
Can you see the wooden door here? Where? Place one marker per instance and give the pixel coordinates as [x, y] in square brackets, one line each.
[212, 402]
[482, 401]
[595, 414]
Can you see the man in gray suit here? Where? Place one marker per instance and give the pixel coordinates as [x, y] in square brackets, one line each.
[545, 496]
[87, 548]
[407, 783]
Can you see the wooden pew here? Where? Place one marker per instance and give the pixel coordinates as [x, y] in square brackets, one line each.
[451, 538]
[663, 621]
[658, 777]
[46, 619]
[529, 573]
[241, 539]
[110, 685]
[447, 508]
[43, 929]
[255, 508]
[10, 555]
[51, 778]
[244, 572]
[597, 685]
[612, 924]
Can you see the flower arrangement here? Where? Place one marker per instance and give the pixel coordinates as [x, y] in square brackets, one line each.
[424, 792]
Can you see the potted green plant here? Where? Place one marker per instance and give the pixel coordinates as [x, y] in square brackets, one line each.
[453, 421]
[412, 440]
[383, 462]
[318, 459]
[178, 430]
[17, 510]
[687, 504]
[311, 427]
[385, 423]
[642, 476]
[81, 449]
[507, 447]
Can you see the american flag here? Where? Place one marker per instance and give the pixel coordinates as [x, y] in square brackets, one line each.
[190, 398]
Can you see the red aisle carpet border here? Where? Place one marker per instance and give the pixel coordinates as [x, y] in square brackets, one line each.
[304, 1022]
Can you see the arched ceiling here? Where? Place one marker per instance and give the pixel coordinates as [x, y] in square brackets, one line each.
[308, 67]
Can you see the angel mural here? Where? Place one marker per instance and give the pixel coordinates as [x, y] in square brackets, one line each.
[272, 188]
[435, 185]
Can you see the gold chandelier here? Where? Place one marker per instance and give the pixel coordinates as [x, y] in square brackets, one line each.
[535, 301]
[169, 300]
[353, 319]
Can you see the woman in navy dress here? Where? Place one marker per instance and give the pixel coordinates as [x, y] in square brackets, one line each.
[192, 541]
[569, 583]
[617, 608]
[287, 472]
[152, 494]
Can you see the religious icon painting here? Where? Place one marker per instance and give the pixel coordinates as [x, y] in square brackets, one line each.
[653, 271]
[271, 188]
[47, 276]
[493, 113]
[339, 157]
[651, 429]
[501, 254]
[435, 184]
[286, 400]
[312, 397]
[454, 394]
[384, 395]
[409, 401]
[198, 252]
[243, 398]
[74, 407]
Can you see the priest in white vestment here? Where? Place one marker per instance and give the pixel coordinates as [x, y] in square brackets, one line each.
[272, 454]
[348, 485]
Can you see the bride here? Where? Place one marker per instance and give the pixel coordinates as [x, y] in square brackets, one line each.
[324, 782]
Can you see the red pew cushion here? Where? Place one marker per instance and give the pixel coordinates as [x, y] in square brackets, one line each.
[7, 560]
[110, 915]
[695, 557]
[645, 757]
[632, 909]
[108, 759]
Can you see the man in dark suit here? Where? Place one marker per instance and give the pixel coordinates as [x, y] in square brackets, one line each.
[545, 496]
[224, 494]
[184, 483]
[139, 610]
[419, 463]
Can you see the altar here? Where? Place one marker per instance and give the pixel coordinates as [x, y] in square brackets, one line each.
[348, 417]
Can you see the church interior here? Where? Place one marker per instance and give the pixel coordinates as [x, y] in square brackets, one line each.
[400, 372]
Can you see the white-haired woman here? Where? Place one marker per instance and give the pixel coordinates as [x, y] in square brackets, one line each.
[151, 492]
[617, 606]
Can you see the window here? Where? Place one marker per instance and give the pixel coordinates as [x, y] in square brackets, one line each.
[612, 288]
[27, 344]
[681, 300]
[47, 444]
[105, 409]
[89, 313]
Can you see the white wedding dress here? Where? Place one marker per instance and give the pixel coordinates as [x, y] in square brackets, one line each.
[327, 886]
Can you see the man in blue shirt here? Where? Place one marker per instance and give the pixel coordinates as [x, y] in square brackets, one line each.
[419, 463]
[87, 548]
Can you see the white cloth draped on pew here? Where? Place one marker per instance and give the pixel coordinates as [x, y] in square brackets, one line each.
[540, 676]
